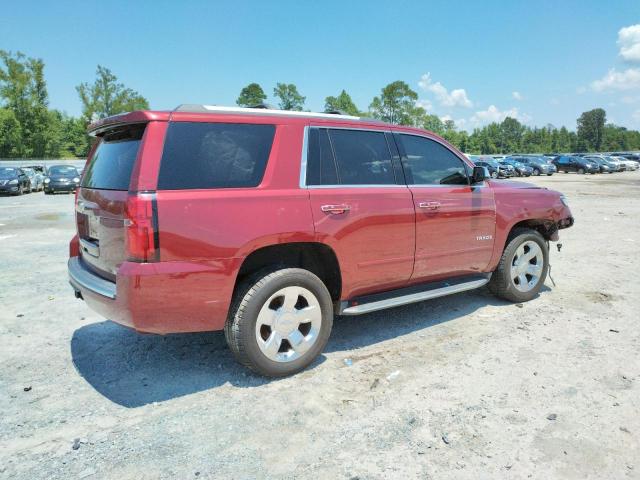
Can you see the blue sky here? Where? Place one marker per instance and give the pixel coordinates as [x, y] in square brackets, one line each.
[465, 59]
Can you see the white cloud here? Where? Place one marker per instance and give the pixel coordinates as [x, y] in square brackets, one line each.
[629, 41]
[517, 96]
[457, 97]
[426, 104]
[628, 79]
[494, 114]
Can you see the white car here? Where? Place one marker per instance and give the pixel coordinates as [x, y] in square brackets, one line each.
[629, 164]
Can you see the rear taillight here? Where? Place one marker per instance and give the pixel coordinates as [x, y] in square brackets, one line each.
[141, 224]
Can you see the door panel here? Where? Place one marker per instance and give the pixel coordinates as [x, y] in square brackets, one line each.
[371, 230]
[455, 227]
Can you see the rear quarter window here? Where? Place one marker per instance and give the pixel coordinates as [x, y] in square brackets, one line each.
[112, 163]
[214, 155]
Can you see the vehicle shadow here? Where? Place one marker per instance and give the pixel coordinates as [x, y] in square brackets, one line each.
[133, 369]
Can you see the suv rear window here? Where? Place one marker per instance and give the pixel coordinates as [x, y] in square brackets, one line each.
[214, 155]
[112, 163]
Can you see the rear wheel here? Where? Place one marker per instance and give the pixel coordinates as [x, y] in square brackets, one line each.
[279, 322]
[494, 174]
[523, 267]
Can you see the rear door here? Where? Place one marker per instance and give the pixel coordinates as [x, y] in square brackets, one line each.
[361, 206]
[102, 199]
[455, 221]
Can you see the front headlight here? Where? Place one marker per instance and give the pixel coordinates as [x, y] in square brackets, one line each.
[76, 179]
[564, 201]
[47, 180]
[13, 182]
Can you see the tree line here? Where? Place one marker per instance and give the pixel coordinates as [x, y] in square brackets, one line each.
[30, 129]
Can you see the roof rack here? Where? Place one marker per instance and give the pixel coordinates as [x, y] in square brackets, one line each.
[261, 109]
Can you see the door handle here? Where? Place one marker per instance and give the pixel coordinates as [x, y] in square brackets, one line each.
[429, 205]
[335, 209]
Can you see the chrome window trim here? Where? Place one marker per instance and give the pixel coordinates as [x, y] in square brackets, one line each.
[385, 185]
[303, 161]
[305, 152]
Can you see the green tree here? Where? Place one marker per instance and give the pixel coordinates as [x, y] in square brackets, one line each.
[10, 134]
[511, 131]
[23, 91]
[591, 129]
[396, 104]
[251, 95]
[106, 97]
[290, 98]
[342, 103]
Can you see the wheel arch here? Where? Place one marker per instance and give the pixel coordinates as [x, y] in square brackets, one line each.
[316, 257]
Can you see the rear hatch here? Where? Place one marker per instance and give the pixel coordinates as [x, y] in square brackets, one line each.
[101, 204]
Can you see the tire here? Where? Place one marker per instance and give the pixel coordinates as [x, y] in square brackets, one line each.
[581, 171]
[549, 174]
[261, 298]
[503, 282]
[494, 174]
[20, 190]
[536, 172]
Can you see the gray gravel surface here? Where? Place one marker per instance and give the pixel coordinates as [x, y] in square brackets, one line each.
[466, 386]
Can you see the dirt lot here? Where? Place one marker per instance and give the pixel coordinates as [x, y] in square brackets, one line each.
[461, 387]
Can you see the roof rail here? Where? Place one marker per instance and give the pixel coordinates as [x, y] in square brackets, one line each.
[259, 110]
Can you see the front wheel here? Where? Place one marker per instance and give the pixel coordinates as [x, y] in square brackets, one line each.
[279, 322]
[536, 172]
[523, 267]
[494, 174]
[581, 171]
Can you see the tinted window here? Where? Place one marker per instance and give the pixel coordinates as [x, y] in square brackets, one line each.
[429, 163]
[214, 155]
[112, 163]
[321, 167]
[63, 170]
[6, 172]
[362, 157]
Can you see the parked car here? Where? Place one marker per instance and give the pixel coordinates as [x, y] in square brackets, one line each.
[629, 165]
[492, 166]
[603, 163]
[619, 165]
[539, 165]
[510, 170]
[573, 163]
[283, 219]
[36, 179]
[61, 178]
[14, 181]
[521, 169]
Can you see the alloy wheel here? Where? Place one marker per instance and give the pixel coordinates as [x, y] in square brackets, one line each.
[288, 324]
[526, 266]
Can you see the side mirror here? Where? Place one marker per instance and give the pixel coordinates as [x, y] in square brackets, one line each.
[479, 174]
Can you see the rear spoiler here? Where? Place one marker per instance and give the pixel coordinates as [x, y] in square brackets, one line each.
[98, 127]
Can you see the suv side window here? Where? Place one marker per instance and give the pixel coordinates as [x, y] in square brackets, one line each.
[427, 162]
[362, 157]
[214, 155]
[321, 166]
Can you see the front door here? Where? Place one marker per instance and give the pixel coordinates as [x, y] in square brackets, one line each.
[455, 221]
[360, 208]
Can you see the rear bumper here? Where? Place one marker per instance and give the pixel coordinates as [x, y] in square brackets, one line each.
[163, 297]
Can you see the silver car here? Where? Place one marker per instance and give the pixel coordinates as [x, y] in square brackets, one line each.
[36, 178]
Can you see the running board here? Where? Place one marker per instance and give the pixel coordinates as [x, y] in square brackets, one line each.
[404, 296]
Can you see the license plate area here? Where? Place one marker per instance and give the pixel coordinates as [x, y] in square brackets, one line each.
[94, 226]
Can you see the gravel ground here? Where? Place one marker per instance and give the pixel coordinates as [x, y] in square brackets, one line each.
[466, 386]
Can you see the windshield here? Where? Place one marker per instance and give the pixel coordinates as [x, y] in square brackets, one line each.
[62, 170]
[6, 172]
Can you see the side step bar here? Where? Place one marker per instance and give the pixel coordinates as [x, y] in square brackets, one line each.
[404, 296]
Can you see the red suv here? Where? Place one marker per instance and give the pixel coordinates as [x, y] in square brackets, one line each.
[266, 223]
